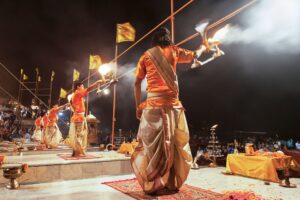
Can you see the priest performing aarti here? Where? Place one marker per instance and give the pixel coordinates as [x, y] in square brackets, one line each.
[162, 159]
[78, 126]
[37, 134]
[52, 136]
[44, 123]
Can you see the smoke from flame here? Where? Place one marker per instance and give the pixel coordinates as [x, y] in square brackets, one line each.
[271, 24]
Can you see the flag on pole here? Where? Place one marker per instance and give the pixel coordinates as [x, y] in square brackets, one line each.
[95, 61]
[25, 77]
[22, 71]
[39, 79]
[63, 93]
[76, 75]
[52, 75]
[125, 33]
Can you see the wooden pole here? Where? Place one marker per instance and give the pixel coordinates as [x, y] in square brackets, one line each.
[20, 86]
[36, 82]
[87, 97]
[50, 90]
[114, 99]
[172, 20]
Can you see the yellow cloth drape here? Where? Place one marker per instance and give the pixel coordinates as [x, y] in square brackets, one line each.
[128, 147]
[260, 167]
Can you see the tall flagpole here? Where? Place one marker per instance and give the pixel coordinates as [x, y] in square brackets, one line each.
[114, 100]
[172, 20]
[73, 81]
[50, 88]
[20, 86]
[87, 98]
[36, 81]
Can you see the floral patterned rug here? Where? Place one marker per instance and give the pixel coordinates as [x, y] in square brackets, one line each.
[132, 188]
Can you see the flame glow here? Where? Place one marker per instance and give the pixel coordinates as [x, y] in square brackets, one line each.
[201, 26]
[105, 68]
[106, 91]
[221, 33]
[69, 97]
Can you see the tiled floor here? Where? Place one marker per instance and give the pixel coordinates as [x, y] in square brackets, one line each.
[88, 189]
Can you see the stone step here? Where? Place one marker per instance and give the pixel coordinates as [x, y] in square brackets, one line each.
[51, 168]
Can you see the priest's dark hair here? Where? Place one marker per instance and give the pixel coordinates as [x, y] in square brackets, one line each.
[162, 37]
[77, 84]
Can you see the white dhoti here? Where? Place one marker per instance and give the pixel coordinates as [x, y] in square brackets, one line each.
[52, 136]
[163, 157]
[37, 135]
[78, 137]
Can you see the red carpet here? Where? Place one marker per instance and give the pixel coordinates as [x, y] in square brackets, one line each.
[70, 157]
[132, 188]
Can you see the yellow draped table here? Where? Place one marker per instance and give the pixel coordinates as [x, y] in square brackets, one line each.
[259, 166]
[128, 147]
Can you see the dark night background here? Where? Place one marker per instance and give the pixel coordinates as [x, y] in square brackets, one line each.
[248, 89]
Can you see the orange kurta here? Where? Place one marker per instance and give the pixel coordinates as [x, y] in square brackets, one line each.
[78, 105]
[52, 117]
[38, 123]
[155, 83]
[45, 121]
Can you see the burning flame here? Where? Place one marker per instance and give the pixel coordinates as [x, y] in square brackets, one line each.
[221, 33]
[201, 26]
[106, 91]
[105, 68]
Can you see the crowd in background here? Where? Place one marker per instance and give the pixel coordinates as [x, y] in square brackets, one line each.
[10, 129]
[262, 143]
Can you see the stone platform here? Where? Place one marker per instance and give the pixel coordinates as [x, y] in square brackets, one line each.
[45, 151]
[51, 168]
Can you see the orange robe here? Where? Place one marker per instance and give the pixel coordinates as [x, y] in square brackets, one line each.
[38, 123]
[162, 157]
[37, 135]
[78, 105]
[45, 121]
[52, 135]
[146, 68]
[52, 117]
[78, 126]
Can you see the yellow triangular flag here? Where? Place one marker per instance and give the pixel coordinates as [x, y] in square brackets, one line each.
[25, 77]
[125, 32]
[63, 93]
[76, 75]
[95, 61]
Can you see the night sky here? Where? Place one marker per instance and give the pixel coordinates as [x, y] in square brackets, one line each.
[250, 88]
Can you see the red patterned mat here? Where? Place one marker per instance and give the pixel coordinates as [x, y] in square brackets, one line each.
[70, 157]
[132, 188]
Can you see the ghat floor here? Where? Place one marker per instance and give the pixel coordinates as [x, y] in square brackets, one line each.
[206, 178]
